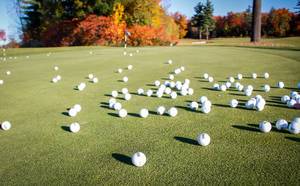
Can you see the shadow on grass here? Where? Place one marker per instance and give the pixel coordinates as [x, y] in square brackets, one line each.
[113, 114]
[186, 140]
[65, 114]
[242, 127]
[258, 90]
[235, 94]
[293, 139]
[134, 115]
[134, 93]
[122, 158]
[187, 109]
[211, 89]
[205, 81]
[150, 85]
[221, 105]
[66, 128]
[104, 103]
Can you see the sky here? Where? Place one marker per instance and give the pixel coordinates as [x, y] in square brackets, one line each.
[8, 17]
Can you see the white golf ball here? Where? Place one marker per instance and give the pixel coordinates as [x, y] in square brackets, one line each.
[122, 113]
[120, 70]
[5, 125]
[266, 88]
[228, 84]
[127, 97]
[124, 90]
[240, 88]
[117, 106]
[140, 91]
[112, 100]
[138, 159]
[254, 75]
[265, 126]
[205, 109]
[81, 86]
[285, 99]
[8, 72]
[54, 80]
[210, 79]
[90, 76]
[294, 94]
[173, 95]
[291, 103]
[72, 112]
[216, 86]
[234, 103]
[170, 61]
[223, 88]
[125, 79]
[190, 91]
[205, 76]
[149, 93]
[159, 93]
[171, 76]
[58, 77]
[231, 79]
[182, 68]
[129, 67]
[260, 104]
[130, 54]
[282, 124]
[168, 91]
[114, 93]
[203, 139]
[266, 75]
[184, 92]
[194, 105]
[248, 92]
[124, 53]
[161, 110]
[240, 76]
[280, 84]
[77, 107]
[1, 82]
[144, 113]
[202, 99]
[157, 83]
[296, 119]
[56, 68]
[95, 80]
[294, 127]
[75, 127]
[172, 112]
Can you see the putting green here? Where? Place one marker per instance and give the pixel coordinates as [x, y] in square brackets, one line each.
[39, 149]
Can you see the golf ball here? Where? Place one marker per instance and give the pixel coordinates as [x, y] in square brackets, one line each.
[223, 88]
[234, 103]
[90, 76]
[205, 76]
[72, 112]
[1, 82]
[117, 106]
[280, 84]
[231, 79]
[294, 127]
[194, 105]
[266, 75]
[170, 61]
[216, 86]
[291, 103]
[8, 73]
[203, 139]
[172, 112]
[120, 70]
[77, 107]
[203, 99]
[5, 125]
[144, 113]
[282, 124]
[54, 80]
[265, 126]
[210, 79]
[114, 93]
[171, 76]
[124, 90]
[125, 79]
[168, 91]
[266, 88]
[140, 91]
[254, 75]
[138, 159]
[122, 113]
[239, 76]
[58, 77]
[173, 95]
[157, 83]
[129, 67]
[127, 97]
[95, 80]
[149, 93]
[190, 91]
[228, 84]
[75, 127]
[56, 68]
[161, 110]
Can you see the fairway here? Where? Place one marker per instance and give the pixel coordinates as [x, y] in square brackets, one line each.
[40, 150]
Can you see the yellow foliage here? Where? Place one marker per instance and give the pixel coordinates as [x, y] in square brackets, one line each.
[118, 14]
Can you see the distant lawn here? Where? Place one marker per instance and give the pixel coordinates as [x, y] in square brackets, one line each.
[39, 149]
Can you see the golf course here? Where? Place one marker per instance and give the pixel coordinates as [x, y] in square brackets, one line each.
[40, 149]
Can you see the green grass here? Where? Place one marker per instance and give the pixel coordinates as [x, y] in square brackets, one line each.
[38, 150]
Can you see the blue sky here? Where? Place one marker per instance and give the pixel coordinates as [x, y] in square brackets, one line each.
[8, 16]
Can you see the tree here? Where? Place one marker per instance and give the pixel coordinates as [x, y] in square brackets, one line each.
[256, 21]
[203, 18]
[2, 35]
[298, 7]
[181, 22]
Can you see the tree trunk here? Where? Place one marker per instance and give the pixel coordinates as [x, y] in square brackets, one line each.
[200, 33]
[207, 33]
[256, 21]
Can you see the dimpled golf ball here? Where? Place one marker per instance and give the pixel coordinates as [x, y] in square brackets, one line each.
[95, 80]
[231, 79]
[122, 113]
[5, 125]
[194, 105]
[228, 84]
[138, 159]
[291, 103]
[223, 88]
[130, 54]
[171, 76]
[124, 90]
[129, 67]
[282, 124]
[8, 72]
[161, 110]
[206, 107]
[210, 79]
[58, 77]
[75, 127]
[203, 139]
[112, 100]
[294, 127]
[239, 76]
[140, 91]
[114, 93]
[144, 113]
[190, 91]
[280, 84]
[77, 107]
[205, 75]
[182, 68]
[233, 103]
[157, 83]
[117, 106]
[254, 75]
[183, 92]
[240, 88]
[172, 112]
[177, 71]
[294, 94]
[90, 76]
[54, 80]
[173, 95]
[120, 70]
[127, 97]
[159, 94]
[266, 75]
[266, 88]
[81, 86]
[124, 53]
[216, 86]
[170, 61]
[125, 79]
[248, 92]
[202, 99]
[168, 91]
[265, 126]
[149, 93]
[72, 112]
[1, 82]
[56, 68]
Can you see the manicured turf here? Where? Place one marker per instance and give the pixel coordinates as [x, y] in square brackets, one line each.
[40, 150]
